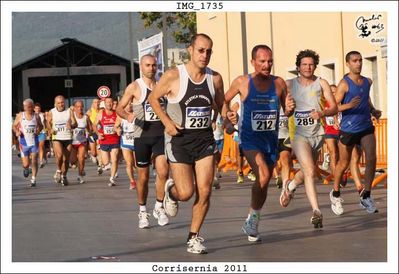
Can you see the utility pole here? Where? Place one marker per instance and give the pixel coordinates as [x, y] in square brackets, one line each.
[131, 47]
[164, 43]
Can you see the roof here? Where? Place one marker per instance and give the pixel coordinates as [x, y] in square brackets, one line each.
[70, 42]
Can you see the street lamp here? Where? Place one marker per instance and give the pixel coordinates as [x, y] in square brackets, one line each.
[66, 41]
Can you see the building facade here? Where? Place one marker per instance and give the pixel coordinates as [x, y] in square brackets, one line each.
[330, 34]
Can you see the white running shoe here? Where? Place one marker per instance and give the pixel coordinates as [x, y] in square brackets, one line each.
[336, 204]
[194, 245]
[144, 221]
[111, 182]
[32, 183]
[171, 207]
[368, 204]
[57, 177]
[160, 215]
[107, 167]
[250, 228]
[81, 179]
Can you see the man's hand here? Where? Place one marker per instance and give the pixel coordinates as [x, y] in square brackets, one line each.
[172, 129]
[354, 102]
[289, 104]
[316, 114]
[232, 116]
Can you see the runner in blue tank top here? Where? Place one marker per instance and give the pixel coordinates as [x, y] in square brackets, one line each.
[261, 96]
[353, 92]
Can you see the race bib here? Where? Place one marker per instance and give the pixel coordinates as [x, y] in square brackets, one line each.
[79, 132]
[330, 120]
[109, 129]
[198, 117]
[283, 122]
[149, 114]
[29, 130]
[263, 120]
[60, 127]
[303, 119]
[128, 138]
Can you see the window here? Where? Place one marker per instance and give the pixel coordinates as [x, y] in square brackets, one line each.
[370, 70]
[327, 72]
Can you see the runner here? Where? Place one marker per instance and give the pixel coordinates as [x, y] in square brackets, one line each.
[104, 126]
[60, 124]
[356, 129]
[307, 130]
[42, 136]
[79, 139]
[261, 94]
[192, 90]
[27, 126]
[93, 138]
[126, 131]
[218, 134]
[149, 140]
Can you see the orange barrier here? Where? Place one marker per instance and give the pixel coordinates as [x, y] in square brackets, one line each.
[229, 155]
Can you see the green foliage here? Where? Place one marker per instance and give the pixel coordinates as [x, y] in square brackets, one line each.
[185, 23]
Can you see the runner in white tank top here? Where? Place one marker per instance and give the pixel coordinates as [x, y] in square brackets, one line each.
[42, 136]
[27, 126]
[79, 139]
[61, 122]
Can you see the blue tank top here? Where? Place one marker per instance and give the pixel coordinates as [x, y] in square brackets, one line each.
[259, 118]
[359, 118]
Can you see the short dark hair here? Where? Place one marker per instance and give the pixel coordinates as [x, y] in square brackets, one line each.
[307, 53]
[349, 54]
[256, 48]
[38, 105]
[146, 55]
[195, 36]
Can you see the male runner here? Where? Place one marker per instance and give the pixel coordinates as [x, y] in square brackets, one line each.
[42, 136]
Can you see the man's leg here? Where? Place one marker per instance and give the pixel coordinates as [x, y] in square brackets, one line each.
[286, 165]
[162, 170]
[354, 168]
[368, 144]
[114, 161]
[81, 160]
[332, 147]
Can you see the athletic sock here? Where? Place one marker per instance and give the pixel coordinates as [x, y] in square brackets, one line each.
[336, 194]
[254, 213]
[291, 185]
[191, 235]
[158, 204]
[143, 208]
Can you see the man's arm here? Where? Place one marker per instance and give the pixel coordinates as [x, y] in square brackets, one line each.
[131, 91]
[287, 102]
[219, 92]
[39, 124]
[342, 89]
[95, 125]
[230, 94]
[162, 89]
[15, 126]
[332, 104]
[49, 122]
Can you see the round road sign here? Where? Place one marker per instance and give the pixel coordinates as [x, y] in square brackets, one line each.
[103, 92]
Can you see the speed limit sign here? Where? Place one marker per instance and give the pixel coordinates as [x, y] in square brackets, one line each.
[103, 92]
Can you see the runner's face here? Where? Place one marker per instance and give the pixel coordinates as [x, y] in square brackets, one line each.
[28, 108]
[60, 104]
[307, 67]
[38, 109]
[201, 52]
[78, 108]
[355, 63]
[96, 104]
[108, 104]
[148, 67]
[263, 62]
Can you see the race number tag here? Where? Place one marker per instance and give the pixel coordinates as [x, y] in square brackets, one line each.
[149, 114]
[283, 122]
[198, 117]
[263, 120]
[128, 138]
[109, 129]
[330, 120]
[30, 129]
[60, 127]
[303, 118]
[79, 131]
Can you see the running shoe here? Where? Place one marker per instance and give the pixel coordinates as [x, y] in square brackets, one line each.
[144, 221]
[160, 215]
[286, 195]
[240, 179]
[41, 165]
[317, 219]
[216, 183]
[99, 170]
[26, 172]
[194, 245]
[251, 176]
[81, 179]
[32, 183]
[64, 181]
[279, 182]
[368, 204]
[250, 228]
[111, 182]
[171, 207]
[336, 204]
[57, 177]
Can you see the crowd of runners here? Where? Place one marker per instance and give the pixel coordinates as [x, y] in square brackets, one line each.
[175, 128]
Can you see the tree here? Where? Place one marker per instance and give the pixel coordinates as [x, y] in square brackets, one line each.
[185, 23]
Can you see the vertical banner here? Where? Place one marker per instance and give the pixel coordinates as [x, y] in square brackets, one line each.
[153, 45]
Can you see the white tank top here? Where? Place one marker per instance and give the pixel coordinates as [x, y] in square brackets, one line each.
[41, 115]
[307, 98]
[127, 132]
[60, 119]
[79, 133]
[29, 129]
